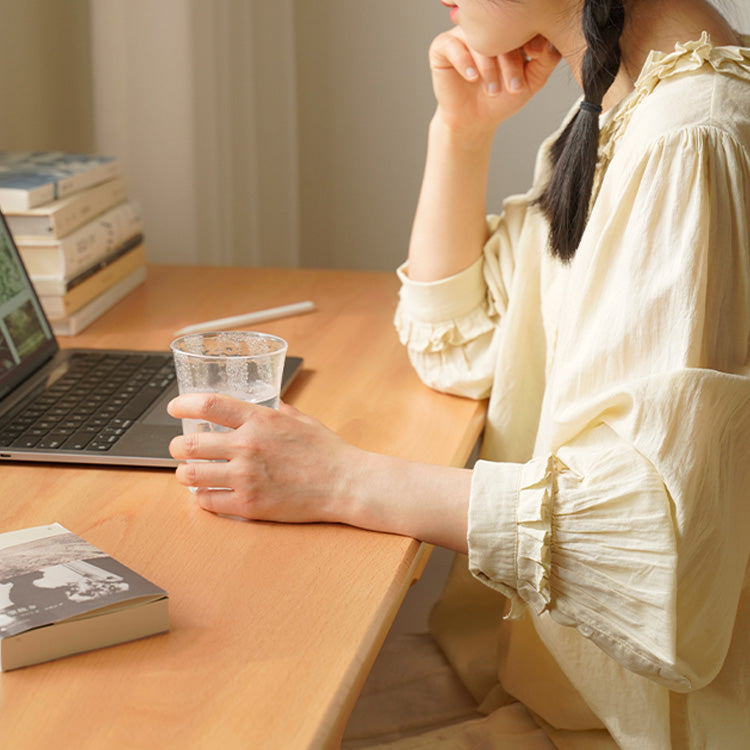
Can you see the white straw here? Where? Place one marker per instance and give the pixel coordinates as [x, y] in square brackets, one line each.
[248, 318]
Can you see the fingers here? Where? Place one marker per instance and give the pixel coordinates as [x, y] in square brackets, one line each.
[542, 60]
[202, 474]
[208, 446]
[224, 502]
[448, 51]
[527, 69]
[489, 73]
[212, 407]
[217, 409]
[523, 70]
[512, 71]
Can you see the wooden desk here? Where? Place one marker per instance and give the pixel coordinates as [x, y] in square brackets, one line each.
[274, 627]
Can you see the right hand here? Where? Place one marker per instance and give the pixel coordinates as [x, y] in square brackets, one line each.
[272, 464]
[476, 93]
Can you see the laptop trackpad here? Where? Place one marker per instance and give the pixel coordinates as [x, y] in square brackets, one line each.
[157, 412]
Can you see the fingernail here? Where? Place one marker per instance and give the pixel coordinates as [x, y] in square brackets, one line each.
[493, 88]
[516, 84]
[471, 73]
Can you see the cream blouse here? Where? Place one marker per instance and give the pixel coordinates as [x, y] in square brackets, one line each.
[613, 499]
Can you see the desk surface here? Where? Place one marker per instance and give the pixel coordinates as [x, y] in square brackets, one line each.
[273, 627]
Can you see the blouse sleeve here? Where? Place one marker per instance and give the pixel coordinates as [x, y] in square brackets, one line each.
[448, 326]
[633, 527]
[451, 327]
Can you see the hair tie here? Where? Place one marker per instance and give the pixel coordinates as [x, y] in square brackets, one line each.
[591, 107]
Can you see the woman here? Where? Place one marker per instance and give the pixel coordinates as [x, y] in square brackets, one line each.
[606, 313]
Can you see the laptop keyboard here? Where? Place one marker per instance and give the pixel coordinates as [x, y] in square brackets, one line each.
[92, 405]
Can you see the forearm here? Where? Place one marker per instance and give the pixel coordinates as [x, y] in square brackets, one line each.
[281, 465]
[449, 227]
[424, 501]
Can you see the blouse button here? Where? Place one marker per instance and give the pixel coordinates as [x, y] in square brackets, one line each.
[585, 630]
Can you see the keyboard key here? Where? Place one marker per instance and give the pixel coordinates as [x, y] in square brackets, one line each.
[52, 441]
[78, 441]
[8, 436]
[98, 446]
[25, 441]
[91, 405]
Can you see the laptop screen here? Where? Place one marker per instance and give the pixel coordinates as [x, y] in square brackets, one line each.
[26, 340]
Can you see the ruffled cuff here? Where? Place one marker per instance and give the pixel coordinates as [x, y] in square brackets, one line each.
[448, 312]
[509, 536]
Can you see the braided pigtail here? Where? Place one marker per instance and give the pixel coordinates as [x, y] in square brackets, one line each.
[565, 201]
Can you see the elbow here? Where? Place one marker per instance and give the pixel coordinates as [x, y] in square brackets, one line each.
[450, 378]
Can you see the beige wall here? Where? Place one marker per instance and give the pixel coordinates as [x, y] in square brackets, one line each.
[365, 100]
[364, 103]
[45, 75]
[254, 133]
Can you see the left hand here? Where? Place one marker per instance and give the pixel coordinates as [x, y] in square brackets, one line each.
[497, 88]
[278, 465]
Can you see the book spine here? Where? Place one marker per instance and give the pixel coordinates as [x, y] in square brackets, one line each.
[77, 182]
[59, 218]
[100, 199]
[85, 247]
[55, 286]
[21, 199]
[60, 306]
[84, 317]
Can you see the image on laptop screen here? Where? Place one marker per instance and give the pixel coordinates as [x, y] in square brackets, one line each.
[25, 335]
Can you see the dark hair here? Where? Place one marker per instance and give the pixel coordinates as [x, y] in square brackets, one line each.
[565, 200]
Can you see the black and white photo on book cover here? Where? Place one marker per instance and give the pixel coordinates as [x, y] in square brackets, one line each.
[48, 574]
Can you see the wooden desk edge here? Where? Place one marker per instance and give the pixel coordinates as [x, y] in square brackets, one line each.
[331, 729]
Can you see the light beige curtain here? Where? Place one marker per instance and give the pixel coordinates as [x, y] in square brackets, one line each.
[199, 99]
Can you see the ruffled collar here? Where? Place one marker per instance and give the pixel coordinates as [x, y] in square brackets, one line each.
[686, 58]
[691, 56]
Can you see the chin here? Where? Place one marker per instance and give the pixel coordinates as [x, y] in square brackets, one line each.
[489, 47]
[483, 41]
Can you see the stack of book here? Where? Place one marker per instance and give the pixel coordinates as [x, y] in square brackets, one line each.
[79, 233]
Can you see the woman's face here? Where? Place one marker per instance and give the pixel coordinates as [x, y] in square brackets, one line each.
[495, 27]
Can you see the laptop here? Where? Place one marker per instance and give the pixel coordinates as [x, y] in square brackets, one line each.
[81, 406]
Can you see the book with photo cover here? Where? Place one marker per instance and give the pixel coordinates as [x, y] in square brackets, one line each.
[32, 178]
[60, 595]
[60, 217]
